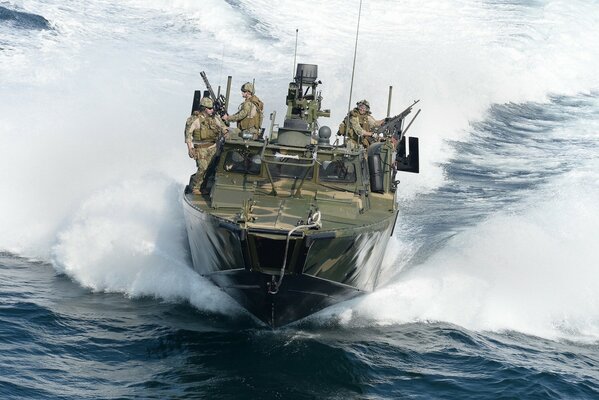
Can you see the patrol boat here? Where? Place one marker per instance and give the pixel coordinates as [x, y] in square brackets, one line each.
[291, 223]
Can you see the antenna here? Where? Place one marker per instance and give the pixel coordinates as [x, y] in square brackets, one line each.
[294, 54]
[351, 86]
[389, 101]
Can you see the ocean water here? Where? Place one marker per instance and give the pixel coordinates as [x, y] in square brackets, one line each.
[491, 282]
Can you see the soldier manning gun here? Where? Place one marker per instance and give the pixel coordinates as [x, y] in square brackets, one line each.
[392, 127]
[220, 101]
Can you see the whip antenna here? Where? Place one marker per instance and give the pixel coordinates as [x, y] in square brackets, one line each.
[351, 85]
[294, 54]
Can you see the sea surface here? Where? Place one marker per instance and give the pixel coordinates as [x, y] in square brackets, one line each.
[490, 287]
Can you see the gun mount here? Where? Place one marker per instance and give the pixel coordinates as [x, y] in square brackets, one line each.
[220, 102]
[303, 101]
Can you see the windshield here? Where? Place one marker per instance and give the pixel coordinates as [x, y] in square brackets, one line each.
[337, 171]
[285, 170]
[290, 171]
[242, 161]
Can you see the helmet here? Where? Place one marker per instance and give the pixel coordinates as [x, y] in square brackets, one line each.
[206, 102]
[247, 87]
[363, 102]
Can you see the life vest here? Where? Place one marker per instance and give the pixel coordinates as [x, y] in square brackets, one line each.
[254, 118]
[208, 129]
[350, 132]
[362, 120]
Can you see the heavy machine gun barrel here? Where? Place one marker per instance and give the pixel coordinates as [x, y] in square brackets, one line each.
[220, 102]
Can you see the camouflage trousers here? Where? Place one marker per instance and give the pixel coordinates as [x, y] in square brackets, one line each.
[203, 157]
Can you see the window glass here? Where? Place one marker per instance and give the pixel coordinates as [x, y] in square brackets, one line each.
[290, 171]
[337, 171]
[243, 162]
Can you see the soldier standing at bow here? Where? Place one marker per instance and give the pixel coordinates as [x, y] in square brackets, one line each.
[202, 130]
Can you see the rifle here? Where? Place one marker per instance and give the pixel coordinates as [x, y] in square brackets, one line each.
[220, 102]
[393, 125]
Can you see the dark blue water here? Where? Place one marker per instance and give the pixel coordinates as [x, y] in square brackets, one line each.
[58, 341]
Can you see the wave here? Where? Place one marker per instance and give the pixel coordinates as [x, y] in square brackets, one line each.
[505, 248]
[532, 271]
[130, 238]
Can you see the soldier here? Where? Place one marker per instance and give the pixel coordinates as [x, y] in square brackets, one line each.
[249, 115]
[202, 131]
[361, 125]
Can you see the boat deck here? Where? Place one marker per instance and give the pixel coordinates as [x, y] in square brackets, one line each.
[338, 210]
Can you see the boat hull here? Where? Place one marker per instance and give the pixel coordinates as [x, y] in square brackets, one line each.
[323, 267]
[298, 296]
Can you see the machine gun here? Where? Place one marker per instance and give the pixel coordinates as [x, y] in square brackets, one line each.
[220, 102]
[393, 126]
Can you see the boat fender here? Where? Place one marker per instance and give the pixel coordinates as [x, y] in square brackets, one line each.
[375, 167]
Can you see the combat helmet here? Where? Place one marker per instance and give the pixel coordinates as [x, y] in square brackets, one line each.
[247, 87]
[363, 102]
[206, 102]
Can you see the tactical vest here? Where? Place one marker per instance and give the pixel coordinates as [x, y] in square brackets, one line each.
[349, 131]
[208, 130]
[254, 119]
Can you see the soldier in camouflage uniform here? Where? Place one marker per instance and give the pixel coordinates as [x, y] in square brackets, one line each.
[202, 130]
[250, 113]
[361, 125]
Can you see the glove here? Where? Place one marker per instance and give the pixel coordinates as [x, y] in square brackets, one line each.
[192, 153]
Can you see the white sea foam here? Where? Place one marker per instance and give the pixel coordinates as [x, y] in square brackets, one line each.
[533, 270]
[131, 239]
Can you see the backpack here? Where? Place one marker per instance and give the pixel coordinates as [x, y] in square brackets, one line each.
[260, 106]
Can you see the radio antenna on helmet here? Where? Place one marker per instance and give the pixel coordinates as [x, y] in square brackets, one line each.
[351, 85]
[294, 54]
